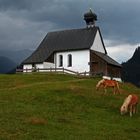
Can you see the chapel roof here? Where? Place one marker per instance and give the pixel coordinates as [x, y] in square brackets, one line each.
[107, 58]
[66, 40]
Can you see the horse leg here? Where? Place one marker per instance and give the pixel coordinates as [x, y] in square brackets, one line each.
[105, 90]
[114, 90]
[118, 88]
[135, 108]
[130, 111]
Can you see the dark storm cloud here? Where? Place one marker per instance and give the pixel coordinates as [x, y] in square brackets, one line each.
[24, 23]
[120, 20]
[14, 4]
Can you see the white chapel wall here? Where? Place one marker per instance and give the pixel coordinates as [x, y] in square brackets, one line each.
[41, 67]
[80, 60]
[27, 68]
[97, 44]
[48, 65]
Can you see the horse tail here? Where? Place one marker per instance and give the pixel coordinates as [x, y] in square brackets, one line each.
[118, 87]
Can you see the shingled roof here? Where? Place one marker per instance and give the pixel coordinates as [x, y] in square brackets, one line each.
[75, 39]
[108, 59]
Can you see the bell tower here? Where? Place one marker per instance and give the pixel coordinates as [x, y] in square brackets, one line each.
[90, 18]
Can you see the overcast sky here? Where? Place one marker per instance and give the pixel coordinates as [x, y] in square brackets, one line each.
[24, 23]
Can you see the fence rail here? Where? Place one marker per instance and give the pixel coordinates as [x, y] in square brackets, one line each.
[61, 70]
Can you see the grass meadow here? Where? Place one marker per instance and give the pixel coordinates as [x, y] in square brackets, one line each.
[63, 107]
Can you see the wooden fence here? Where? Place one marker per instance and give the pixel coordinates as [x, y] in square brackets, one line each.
[59, 70]
[62, 70]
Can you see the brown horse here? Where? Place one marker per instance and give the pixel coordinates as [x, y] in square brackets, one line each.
[105, 83]
[130, 104]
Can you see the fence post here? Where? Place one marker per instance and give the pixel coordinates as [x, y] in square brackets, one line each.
[77, 73]
[85, 73]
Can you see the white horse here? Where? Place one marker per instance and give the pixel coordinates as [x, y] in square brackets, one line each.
[130, 104]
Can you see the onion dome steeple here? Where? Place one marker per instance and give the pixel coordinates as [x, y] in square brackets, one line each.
[90, 18]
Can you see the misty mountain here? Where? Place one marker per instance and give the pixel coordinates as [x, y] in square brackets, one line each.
[16, 56]
[9, 60]
[6, 65]
[131, 69]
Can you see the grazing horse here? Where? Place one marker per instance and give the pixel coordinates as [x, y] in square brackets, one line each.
[106, 83]
[130, 104]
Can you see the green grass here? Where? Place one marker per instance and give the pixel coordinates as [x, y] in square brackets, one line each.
[63, 107]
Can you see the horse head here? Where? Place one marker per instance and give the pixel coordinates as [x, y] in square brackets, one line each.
[124, 107]
[99, 84]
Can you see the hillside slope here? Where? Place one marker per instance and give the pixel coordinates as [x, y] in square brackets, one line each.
[16, 56]
[6, 65]
[59, 107]
[131, 69]
[9, 59]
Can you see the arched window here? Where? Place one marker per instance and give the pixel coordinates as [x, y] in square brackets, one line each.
[69, 60]
[60, 60]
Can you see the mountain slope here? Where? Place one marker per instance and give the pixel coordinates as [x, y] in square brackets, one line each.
[131, 69]
[16, 56]
[6, 65]
[10, 59]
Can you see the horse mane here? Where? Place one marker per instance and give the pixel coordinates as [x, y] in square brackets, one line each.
[100, 83]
